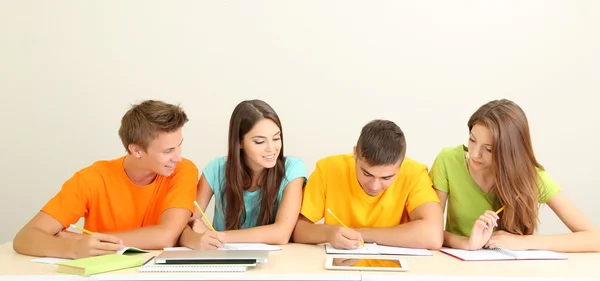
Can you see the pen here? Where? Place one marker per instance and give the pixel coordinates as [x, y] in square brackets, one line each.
[204, 216]
[81, 228]
[336, 218]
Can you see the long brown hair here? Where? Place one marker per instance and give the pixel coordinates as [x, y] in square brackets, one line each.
[514, 164]
[238, 176]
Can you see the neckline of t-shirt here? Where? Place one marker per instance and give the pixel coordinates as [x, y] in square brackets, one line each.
[124, 174]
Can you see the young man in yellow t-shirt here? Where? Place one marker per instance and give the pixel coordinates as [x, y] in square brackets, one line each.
[380, 195]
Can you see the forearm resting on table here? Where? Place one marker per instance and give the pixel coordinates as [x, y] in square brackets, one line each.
[154, 237]
[35, 242]
[415, 234]
[310, 233]
[583, 241]
[456, 241]
[268, 234]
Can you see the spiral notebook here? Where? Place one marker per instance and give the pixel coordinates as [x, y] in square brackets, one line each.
[498, 254]
[150, 266]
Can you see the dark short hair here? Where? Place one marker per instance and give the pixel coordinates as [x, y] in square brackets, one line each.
[381, 142]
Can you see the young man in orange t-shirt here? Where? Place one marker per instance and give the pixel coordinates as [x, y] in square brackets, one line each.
[143, 199]
[382, 196]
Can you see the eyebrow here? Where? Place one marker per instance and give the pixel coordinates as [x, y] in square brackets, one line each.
[263, 137]
[372, 174]
[471, 134]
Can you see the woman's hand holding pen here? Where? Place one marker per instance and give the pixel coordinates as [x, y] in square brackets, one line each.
[210, 240]
[482, 230]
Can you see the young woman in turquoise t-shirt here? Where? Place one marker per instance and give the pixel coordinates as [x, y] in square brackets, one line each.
[257, 191]
[497, 182]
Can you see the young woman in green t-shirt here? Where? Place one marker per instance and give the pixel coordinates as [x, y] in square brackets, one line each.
[497, 182]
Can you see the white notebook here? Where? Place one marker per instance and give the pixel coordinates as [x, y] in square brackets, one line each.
[374, 249]
[235, 247]
[150, 266]
[503, 254]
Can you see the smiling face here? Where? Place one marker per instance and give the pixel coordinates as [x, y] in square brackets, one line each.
[162, 154]
[261, 145]
[375, 179]
[481, 141]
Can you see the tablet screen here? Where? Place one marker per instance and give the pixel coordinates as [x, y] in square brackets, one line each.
[387, 263]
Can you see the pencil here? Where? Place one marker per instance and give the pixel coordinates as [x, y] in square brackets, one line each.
[336, 218]
[81, 228]
[500, 210]
[204, 216]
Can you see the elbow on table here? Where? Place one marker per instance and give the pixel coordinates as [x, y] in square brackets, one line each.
[436, 239]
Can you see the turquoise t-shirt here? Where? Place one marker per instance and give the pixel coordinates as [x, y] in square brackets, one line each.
[215, 176]
[466, 201]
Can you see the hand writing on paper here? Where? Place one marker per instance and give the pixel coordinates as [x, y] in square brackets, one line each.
[506, 240]
[199, 226]
[482, 230]
[210, 240]
[344, 238]
[96, 244]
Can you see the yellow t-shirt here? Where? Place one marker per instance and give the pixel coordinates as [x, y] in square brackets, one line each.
[333, 185]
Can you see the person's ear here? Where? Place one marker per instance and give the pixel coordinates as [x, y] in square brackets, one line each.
[135, 150]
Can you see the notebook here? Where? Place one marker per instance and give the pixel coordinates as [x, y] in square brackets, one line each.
[374, 249]
[98, 264]
[153, 267]
[131, 250]
[126, 250]
[235, 246]
[503, 254]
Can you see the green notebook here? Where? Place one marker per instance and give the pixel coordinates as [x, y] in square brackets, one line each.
[99, 264]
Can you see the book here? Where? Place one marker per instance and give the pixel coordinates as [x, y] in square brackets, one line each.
[498, 254]
[131, 250]
[98, 264]
[374, 249]
[150, 266]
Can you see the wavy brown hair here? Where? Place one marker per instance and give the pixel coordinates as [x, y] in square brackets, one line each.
[238, 176]
[514, 164]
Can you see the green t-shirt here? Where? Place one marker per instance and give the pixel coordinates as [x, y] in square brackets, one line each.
[466, 201]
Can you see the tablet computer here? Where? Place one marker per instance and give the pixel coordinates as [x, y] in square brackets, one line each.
[375, 263]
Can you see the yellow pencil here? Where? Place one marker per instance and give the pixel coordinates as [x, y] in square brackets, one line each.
[500, 210]
[81, 228]
[204, 216]
[336, 218]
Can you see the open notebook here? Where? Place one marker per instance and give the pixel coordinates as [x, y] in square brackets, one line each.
[235, 247]
[503, 254]
[374, 249]
[150, 266]
[125, 251]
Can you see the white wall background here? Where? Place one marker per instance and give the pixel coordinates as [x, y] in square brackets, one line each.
[70, 69]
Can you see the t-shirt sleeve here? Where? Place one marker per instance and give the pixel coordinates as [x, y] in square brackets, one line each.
[294, 169]
[420, 191]
[71, 202]
[183, 187]
[214, 173]
[438, 173]
[547, 187]
[313, 201]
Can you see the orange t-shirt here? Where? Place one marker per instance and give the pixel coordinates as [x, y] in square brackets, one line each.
[103, 194]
